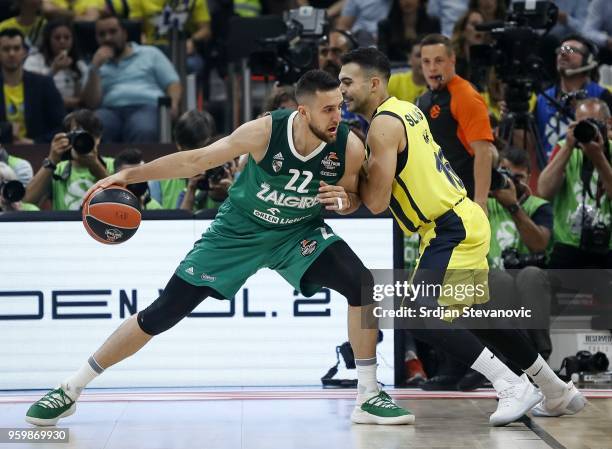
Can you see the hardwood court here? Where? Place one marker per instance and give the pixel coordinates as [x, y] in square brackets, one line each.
[304, 419]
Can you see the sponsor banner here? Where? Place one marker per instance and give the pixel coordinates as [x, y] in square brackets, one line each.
[62, 294]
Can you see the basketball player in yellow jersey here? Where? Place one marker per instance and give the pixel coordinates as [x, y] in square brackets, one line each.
[407, 172]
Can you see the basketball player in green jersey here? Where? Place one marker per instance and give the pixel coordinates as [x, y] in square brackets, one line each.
[407, 173]
[297, 162]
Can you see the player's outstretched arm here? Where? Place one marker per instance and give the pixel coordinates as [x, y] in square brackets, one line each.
[385, 137]
[252, 137]
[344, 197]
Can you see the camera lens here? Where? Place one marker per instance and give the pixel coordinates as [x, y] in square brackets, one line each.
[13, 191]
[81, 141]
[585, 131]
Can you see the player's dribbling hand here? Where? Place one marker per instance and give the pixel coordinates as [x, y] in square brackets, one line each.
[116, 179]
[333, 197]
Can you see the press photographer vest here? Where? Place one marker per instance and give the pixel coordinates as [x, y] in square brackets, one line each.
[504, 233]
[281, 189]
[568, 201]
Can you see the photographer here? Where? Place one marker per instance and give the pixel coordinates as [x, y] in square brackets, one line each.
[209, 189]
[73, 164]
[12, 191]
[521, 228]
[578, 180]
[575, 63]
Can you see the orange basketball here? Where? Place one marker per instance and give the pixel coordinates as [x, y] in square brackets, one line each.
[112, 215]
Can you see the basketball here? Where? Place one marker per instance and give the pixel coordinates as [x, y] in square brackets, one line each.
[112, 215]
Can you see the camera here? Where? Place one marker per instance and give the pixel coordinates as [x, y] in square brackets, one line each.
[586, 130]
[292, 54]
[513, 260]
[594, 233]
[213, 175]
[500, 179]
[585, 361]
[81, 141]
[513, 54]
[12, 191]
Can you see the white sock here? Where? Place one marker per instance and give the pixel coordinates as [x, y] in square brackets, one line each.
[367, 384]
[88, 372]
[547, 380]
[493, 369]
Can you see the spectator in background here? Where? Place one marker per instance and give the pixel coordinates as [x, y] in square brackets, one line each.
[575, 63]
[464, 36]
[29, 21]
[21, 167]
[58, 57]
[571, 19]
[132, 157]
[407, 21]
[30, 102]
[410, 85]
[578, 181]
[197, 26]
[248, 8]
[281, 97]
[489, 9]
[66, 175]
[10, 195]
[76, 10]
[337, 44]
[361, 17]
[448, 11]
[598, 27]
[192, 130]
[125, 81]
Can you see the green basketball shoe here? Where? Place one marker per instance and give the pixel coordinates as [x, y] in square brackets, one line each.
[380, 409]
[48, 410]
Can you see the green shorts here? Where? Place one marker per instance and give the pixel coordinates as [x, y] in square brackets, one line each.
[234, 247]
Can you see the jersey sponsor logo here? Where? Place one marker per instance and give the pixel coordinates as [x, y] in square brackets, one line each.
[307, 247]
[113, 234]
[189, 271]
[209, 278]
[328, 173]
[281, 199]
[331, 161]
[277, 165]
[271, 218]
[434, 111]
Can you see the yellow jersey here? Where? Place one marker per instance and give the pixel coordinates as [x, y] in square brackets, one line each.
[425, 186]
[14, 103]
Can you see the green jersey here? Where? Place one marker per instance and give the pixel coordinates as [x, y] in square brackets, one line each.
[567, 204]
[504, 233]
[281, 189]
[70, 184]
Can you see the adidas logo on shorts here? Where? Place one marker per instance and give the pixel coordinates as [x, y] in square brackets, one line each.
[189, 270]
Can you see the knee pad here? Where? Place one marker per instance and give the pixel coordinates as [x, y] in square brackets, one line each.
[363, 294]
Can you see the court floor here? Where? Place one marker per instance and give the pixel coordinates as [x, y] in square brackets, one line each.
[303, 419]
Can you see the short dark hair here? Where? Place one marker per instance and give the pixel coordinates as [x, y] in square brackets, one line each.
[129, 156]
[194, 129]
[13, 32]
[371, 59]
[313, 81]
[516, 156]
[436, 39]
[86, 119]
[106, 14]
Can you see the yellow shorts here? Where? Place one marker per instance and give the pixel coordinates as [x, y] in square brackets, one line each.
[453, 255]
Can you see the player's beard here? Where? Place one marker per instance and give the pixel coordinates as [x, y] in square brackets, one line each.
[322, 134]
